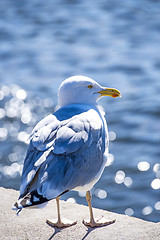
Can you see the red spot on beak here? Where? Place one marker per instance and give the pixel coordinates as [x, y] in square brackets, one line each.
[114, 95]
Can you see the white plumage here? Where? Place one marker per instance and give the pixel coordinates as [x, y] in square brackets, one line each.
[68, 149]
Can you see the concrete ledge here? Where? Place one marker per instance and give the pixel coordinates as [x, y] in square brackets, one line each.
[31, 223]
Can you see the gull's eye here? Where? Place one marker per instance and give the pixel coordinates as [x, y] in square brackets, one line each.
[90, 86]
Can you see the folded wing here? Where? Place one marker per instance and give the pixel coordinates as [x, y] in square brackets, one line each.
[65, 151]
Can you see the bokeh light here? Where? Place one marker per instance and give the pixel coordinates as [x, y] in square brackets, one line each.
[155, 184]
[157, 206]
[129, 212]
[82, 194]
[71, 200]
[143, 166]
[128, 181]
[120, 176]
[156, 167]
[3, 134]
[110, 159]
[147, 210]
[21, 94]
[100, 193]
[112, 136]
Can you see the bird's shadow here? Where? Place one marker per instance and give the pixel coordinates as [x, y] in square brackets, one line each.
[56, 230]
[89, 230]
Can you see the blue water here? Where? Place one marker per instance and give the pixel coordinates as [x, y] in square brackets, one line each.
[117, 43]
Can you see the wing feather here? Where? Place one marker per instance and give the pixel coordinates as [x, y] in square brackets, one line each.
[65, 151]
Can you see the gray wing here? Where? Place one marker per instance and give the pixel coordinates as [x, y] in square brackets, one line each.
[39, 148]
[64, 154]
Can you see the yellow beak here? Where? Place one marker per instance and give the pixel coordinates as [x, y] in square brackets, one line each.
[110, 92]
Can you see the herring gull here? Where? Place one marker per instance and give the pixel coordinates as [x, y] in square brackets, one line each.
[68, 149]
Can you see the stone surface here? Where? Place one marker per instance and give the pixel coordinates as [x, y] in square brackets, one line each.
[31, 223]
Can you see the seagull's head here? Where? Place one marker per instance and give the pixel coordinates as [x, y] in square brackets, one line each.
[81, 89]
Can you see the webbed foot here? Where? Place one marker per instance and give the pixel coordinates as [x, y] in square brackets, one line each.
[60, 224]
[100, 222]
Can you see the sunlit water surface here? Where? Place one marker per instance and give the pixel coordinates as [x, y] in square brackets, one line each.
[117, 44]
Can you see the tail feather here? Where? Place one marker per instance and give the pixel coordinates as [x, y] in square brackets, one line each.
[30, 199]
